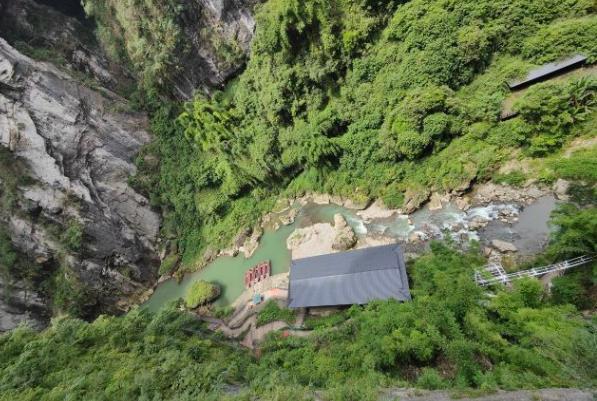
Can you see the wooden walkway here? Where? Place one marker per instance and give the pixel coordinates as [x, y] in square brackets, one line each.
[494, 273]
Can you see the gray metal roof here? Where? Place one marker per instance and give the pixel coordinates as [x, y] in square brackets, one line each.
[346, 278]
[548, 70]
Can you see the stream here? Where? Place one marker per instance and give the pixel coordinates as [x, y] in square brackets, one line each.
[525, 227]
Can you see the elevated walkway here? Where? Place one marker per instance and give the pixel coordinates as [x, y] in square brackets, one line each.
[494, 273]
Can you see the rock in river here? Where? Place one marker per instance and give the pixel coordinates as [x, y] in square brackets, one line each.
[503, 246]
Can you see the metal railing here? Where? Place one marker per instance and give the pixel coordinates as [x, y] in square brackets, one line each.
[498, 274]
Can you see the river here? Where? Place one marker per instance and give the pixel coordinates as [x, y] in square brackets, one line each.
[528, 231]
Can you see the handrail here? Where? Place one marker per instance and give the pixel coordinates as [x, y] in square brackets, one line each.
[498, 277]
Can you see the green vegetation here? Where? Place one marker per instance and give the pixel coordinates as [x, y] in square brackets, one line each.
[359, 98]
[576, 230]
[514, 178]
[148, 36]
[129, 358]
[319, 322]
[168, 265]
[10, 179]
[152, 38]
[72, 237]
[8, 257]
[452, 335]
[67, 294]
[386, 100]
[200, 293]
[13, 265]
[582, 165]
[549, 111]
[272, 312]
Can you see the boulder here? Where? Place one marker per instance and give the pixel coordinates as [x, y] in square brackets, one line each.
[435, 202]
[463, 203]
[241, 237]
[288, 218]
[344, 240]
[345, 237]
[560, 188]
[413, 199]
[417, 237]
[355, 204]
[313, 240]
[377, 210]
[503, 246]
[339, 221]
[477, 222]
[251, 243]
[321, 199]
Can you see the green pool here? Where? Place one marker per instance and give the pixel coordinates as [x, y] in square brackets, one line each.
[229, 271]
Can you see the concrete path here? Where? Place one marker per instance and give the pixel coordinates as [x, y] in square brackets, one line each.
[555, 394]
[246, 322]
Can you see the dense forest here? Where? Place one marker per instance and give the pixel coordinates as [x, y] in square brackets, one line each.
[366, 99]
[383, 99]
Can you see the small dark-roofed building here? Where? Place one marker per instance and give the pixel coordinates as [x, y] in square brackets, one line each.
[347, 278]
[549, 70]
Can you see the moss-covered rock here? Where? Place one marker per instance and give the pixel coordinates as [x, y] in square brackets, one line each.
[201, 293]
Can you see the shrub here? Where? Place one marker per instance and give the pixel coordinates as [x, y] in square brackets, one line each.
[168, 264]
[581, 165]
[430, 379]
[515, 178]
[200, 293]
[570, 289]
[72, 237]
[8, 256]
[551, 109]
[272, 312]
[575, 232]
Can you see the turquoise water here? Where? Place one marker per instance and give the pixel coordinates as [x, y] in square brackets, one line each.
[229, 271]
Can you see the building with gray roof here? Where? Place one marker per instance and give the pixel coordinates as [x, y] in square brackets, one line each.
[548, 71]
[347, 278]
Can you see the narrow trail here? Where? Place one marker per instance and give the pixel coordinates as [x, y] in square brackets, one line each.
[245, 321]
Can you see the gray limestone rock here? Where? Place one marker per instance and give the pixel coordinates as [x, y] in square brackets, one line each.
[79, 154]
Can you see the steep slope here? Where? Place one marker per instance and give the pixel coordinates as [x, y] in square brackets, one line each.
[366, 100]
[177, 46]
[89, 236]
[46, 33]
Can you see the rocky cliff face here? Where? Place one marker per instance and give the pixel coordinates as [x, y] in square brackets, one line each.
[70, 143]
[50, 34]
[215, 41]
[209, 26]
[78, 147]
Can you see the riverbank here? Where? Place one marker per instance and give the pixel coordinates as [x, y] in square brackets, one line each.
[507, 221]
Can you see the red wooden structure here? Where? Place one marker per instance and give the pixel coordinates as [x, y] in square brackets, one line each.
[257, 273]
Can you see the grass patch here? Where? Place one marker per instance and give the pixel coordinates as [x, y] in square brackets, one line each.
[513, 178]
[169, 264]
[325, 322]
[272, 312]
